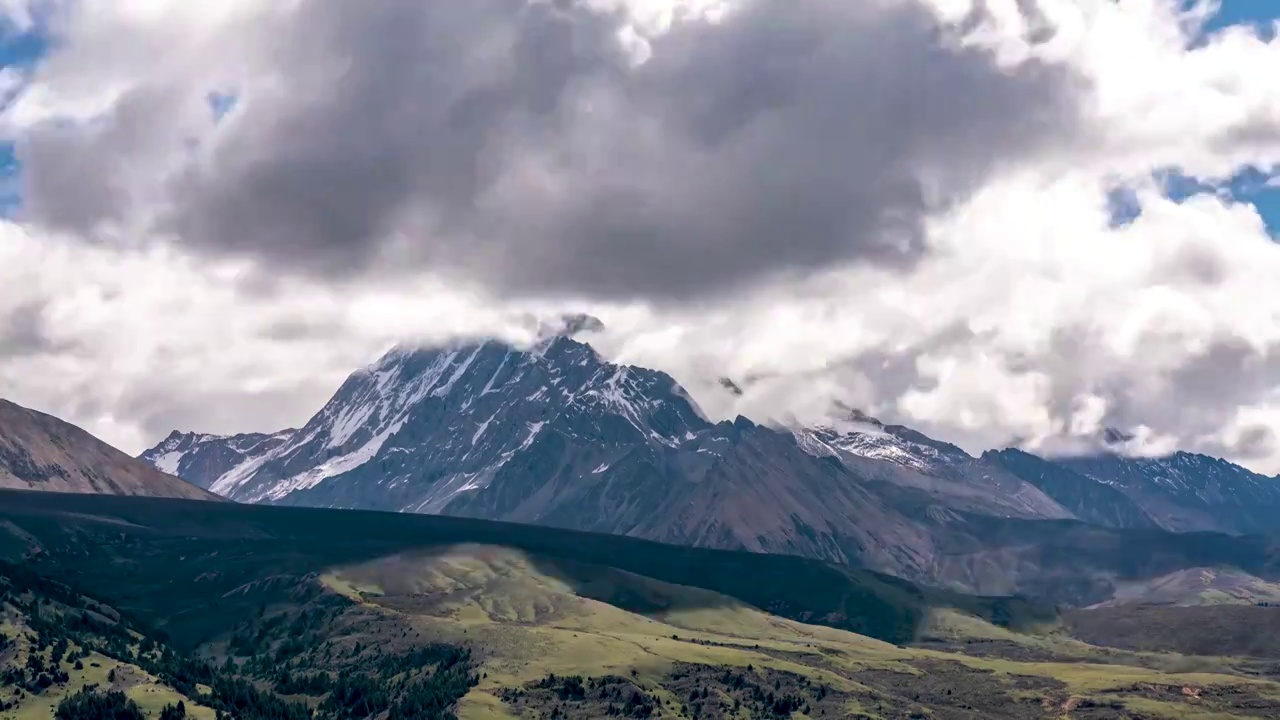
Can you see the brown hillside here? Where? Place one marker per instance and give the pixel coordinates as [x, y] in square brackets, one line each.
[41, 452]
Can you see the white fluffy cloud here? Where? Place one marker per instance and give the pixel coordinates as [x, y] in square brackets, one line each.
[1027, 315]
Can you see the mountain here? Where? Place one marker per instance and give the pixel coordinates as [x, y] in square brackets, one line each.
[904, 458]
[1088, 499]
[1189, 492]
[1195, 587]
[203, 458]
[556, 435]
[41, 452]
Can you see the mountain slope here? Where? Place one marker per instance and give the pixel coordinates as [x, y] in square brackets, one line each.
[1194, 587]
[227, 545]
[41, 452]
[1088, 499]
[907, 459]
[1190, 492]
[555, 435]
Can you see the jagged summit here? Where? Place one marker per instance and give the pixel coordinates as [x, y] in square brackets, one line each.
[854, 431]
[902, 457]
[557, 435]
[733, 387]
[1112, 437]
[466, 411]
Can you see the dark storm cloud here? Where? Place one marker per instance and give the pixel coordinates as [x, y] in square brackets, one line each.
[513, 144]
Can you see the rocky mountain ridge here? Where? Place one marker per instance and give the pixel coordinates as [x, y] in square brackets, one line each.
[556, 435]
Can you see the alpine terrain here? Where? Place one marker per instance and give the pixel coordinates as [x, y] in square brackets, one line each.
[556, 435]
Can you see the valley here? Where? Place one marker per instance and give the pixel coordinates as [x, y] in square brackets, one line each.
[270, 612]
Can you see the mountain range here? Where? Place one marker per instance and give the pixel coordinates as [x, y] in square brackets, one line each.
[886, 571]
[556, 435]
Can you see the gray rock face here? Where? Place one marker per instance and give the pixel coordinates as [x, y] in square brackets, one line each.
[40, 452]
[557, 436]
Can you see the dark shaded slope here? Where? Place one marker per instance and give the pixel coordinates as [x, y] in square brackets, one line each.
[165, 560]
[200, 459]
[1220, 630]
[1077, 564]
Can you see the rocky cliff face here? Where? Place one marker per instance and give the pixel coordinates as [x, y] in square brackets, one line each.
[555, 435]
[904, 458]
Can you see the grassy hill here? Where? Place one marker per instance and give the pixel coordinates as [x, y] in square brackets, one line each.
[176, 554]
[262, 612]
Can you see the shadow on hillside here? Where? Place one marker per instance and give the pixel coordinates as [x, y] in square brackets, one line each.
[191, 565]
[1209, 630]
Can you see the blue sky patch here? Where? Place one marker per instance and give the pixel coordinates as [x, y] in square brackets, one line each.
[1250, 186]
[10, 187]
[1123, 206]
[22, 49]
[221, 103]
[1262, 14]
[19, 50]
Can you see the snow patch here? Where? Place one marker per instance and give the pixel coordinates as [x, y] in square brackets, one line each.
[480, 430]
[534, 429]
[168, 462]
[334, 467]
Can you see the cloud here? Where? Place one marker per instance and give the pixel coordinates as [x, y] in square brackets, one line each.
[23, 332]
[132, 344]
[901, 206]
[523, 145]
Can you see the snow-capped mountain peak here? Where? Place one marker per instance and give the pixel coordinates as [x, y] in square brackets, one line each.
[554, 433]
[857, 433]
[194, 456]
[467, 411]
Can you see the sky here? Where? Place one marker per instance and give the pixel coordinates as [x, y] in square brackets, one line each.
[999, 221]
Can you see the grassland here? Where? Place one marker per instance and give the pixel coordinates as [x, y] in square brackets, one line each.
[388, 617]
[529, 626]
